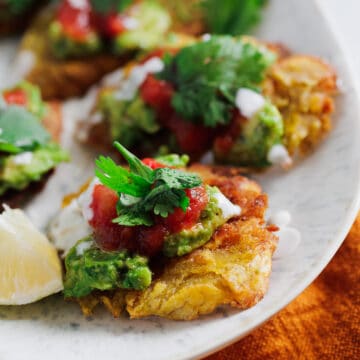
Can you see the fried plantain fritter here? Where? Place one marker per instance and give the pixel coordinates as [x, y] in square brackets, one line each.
[302, 88]
[233, 268]
[60, 79]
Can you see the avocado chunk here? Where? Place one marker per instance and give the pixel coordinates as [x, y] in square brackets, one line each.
[130, 121]
[62, 46]
[187, 240]
[258, 134]
[88, 268]
[18, 171]
[153, 22]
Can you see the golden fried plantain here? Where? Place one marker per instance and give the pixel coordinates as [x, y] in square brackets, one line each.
[60, 79]
[233, 268]
[303, 89]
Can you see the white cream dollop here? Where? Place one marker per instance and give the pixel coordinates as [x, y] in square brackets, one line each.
[68, 227]
[278, 155]
[86, 198]
[228, 209]
[137, 76]
[289, 237]
[24, 158]
[249, 102]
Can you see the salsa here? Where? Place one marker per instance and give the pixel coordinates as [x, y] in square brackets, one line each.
[144, 240]
[15, 97]
[77, 21]
[191, 138]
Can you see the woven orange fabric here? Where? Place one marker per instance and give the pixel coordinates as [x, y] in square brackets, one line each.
[322, 323]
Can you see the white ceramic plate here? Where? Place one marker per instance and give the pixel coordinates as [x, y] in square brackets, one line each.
[322, 194]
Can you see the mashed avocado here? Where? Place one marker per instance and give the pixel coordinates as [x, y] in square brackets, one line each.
[18, 171]
[89, 268]
[188, 240]
[152, 24]
[257, 136]
[62, 46]
[130, 121]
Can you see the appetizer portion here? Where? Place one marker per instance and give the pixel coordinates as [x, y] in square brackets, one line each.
[30, 268]
[29, 130]
[249, 103]
[71, 46]
[193, 238]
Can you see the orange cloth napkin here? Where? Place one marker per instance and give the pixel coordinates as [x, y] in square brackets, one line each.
[322, 323]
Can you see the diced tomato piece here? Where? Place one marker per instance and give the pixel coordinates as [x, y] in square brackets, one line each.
[113, 24]
[158, 94]
[152, 163]
[179, 219]
[225, 140]
[109, 236]
[193, 139]
[15, 97]
[150, 239]
[76, 21]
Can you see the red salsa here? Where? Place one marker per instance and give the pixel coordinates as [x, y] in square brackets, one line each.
[77, 21]
[144, 240]
[193, 139]
[15, 97]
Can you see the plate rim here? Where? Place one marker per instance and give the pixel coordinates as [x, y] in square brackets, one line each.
[339, 237]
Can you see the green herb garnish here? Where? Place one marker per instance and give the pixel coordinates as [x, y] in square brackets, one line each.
[20, 130]
[207, 75]
[157, 192]
[233, 17]
[105, 6]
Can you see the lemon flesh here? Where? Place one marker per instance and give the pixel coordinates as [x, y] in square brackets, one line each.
[29, 265]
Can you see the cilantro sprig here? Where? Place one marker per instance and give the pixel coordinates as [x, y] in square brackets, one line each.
[206, 76]
[20, 130]
[159, 191]
[105, 6]
[233, 17]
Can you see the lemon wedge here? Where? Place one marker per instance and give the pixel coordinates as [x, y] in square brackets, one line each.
[29, 265]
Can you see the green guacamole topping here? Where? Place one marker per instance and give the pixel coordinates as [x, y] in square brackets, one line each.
[152, 24]
[17, 175]
[258, 135]
[26, 149]
[89, 268]
[62, 46]
[188, 240]
[130, 121]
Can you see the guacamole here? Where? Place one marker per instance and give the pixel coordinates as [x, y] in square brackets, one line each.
[63, 46]
[153, 22]
[131, 122]
[187, 240]
[89, 268]
[18, 171]
[256, 138]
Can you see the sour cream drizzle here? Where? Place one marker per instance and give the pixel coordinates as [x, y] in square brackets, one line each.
[289, 237]
[131, 84]
[249, 102]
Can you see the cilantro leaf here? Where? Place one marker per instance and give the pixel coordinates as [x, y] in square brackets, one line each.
[177, 179]
[105, 6]
[161, 191]
[135, 164]
[20, 130]
[207, 75]
[233, 17]
[119, 179]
